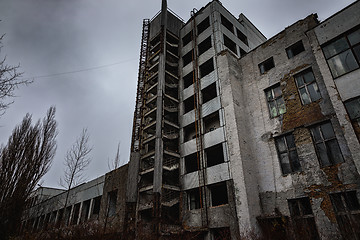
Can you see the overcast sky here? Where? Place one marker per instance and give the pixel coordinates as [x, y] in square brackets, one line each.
[90, 49]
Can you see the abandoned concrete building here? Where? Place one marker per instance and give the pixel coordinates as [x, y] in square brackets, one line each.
[233, 134]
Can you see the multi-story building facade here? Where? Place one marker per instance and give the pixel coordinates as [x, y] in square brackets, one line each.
[235, 135]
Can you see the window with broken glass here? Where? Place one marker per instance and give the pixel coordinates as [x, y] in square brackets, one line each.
[307, 87]
[295, 49]
[347, 210]
[326, 145]
[287, 153]
[303, 218]
[353, 109]
[275, 101]
[343, 54]
[194, 198]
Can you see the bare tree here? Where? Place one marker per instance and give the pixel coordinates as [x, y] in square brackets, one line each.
[9, 81]
[76, 160]
[24, 160]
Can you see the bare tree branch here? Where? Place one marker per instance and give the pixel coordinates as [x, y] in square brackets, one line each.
[24, 160]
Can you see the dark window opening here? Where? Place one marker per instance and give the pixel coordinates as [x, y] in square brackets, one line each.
[112, 198]
[188, 58]
[85, 211]
[274, 228]
[171, 38]
[96, 205]
[221, 233]
[227, 23]
[206, 68]
[191, 163]
[188, 79]
[155, 40]
[295, 49]
[214, 155]
[171, 178]
[204, 45]
[218, 194]
[189, 104]
[346, 207]
[303, 218]
[75, 215]
[171, 69]
[203, 25]
[187, 38]
[307, 86]
[286, 149]
[353, 109]
[194, 198]
[67, 215]
[211, 122]
[266, 65]
[189, 132]
[242, 52]
[242, 37]
[209, 93]
[230, 44]
[60, 217]
[326, 145]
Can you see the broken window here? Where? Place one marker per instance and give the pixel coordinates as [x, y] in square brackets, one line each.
[203, 25]
[343, 54]
[353, 109]
[189, 132]
[209, 93]
[287, 153]
[204, 45]
[326, 145]
[307, 86]
[194, 198]
[303, 218]
[214, 155]
[295, 49]
[191, 163]
[187, 38]
[188, 57]
[189, 104]
[242, 37]
[226, 23]
[230, 44]
[75, 214]
[347, 210]
[96, 205]
[275, 101]
[218, 194]
[112, 198]
[188, 79]
[266, 65]
[85, 211]
[211, 122]
[206, 68]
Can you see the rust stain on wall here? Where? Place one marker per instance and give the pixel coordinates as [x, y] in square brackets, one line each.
[302, 136]
[297, 114]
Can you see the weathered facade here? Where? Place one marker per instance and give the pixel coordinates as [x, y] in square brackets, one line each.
[235, 135]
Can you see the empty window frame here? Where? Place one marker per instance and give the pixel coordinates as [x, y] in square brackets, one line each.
[266, 65]
[326, 144]
[203, 25]
[230, 44]
[219, 194]
[242, 37]
[295, 49]
[347, 210]
[189, 132]
[209, 93]
[275, 101]
[307, 87]
[112, 198]
[353, 109]
[189, 104]
[226, 23]
[188, 58]
[211, 122]
[85, 210]
[96, 205]
[303, 218]
[191, 163]
[194, 198]
[75, 214]
[187, 38]
[204, 45]
[214, 155]
[343, 54]
[242, 52]
[188, 79]
[286, 149]
[206, 68]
